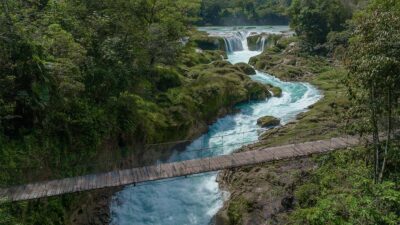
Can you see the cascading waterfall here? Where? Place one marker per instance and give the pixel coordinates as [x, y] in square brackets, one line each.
[263, 40]
[235, 42]
[261, 43]
[196, 199]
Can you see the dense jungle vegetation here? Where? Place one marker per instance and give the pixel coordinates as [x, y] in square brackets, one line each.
[80, 78]
[244, 12]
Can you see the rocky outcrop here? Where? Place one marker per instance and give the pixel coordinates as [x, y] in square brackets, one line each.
[268, 121]
[257, 91]
[276, 91]
[261, 194]
[258, 41]
[206, 42]
[245, 68]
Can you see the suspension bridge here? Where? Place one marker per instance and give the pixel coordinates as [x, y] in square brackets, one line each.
[135, 176]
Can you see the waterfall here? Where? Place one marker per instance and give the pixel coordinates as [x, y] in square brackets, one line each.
[261, 43]
[236, 41]
[233, 44]
[263, 40]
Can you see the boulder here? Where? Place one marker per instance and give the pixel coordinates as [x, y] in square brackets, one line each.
[221, 64]
[268, 121]
[205, 42]
[253, 42]
[246, 68]
[276, 91]
[257, 91]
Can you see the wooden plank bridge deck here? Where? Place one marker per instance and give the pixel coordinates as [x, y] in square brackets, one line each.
[171, 170]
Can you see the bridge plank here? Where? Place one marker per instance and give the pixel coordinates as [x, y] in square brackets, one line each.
[107, 179]
[14, 191]
[34, 193]
[26, 193]
[93, 181]
[86, 183]
[339, 143]
[70, 184]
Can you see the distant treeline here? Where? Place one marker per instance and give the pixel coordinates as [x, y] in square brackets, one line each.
[244, 12]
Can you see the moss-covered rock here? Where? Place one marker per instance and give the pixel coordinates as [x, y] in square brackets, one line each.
[276, 91]
[257, 91]
[255, 42]
[288, 65]
[221, 64]
[205, 42]
[191, 57]
[268, 121]
[246, 68]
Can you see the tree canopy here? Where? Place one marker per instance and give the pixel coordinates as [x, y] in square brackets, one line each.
[314, 20]
[244, 12]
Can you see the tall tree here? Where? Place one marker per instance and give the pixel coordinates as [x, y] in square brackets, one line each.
[374, 78]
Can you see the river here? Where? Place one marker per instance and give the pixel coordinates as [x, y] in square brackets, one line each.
[196, 199]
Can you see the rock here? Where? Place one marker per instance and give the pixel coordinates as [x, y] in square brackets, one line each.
[276, 91]
[289, 61]
[221, 63]
[246, 68]
[269, 133]
[206, 42]
[268, 121]
[257, 91]
[253, 42]
[288, 203]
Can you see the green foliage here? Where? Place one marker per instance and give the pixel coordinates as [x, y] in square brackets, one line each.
[313, 20]
[243, 12]
[374, 79]
[235, 210]
[78, 77]
[340, 191]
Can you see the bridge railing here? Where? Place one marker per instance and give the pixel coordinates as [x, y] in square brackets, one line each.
[149, 154]
[152, 155]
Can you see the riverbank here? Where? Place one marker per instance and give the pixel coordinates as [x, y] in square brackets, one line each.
[264, 194]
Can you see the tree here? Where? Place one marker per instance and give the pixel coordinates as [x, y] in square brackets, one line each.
[374, 78]
[314, 19]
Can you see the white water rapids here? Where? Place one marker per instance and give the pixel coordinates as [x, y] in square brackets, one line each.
[196, 199]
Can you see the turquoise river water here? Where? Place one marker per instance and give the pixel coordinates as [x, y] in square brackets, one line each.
[196, 199]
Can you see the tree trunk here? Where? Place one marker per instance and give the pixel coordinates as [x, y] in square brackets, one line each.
[389, 131]
[375, 133]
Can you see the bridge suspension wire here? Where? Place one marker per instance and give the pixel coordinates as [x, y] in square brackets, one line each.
[211, 137]
[111, 163]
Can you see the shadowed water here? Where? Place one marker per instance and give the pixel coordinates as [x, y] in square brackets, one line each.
[196, 199]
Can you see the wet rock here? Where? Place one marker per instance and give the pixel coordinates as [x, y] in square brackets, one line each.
[268, 121]
[257, 91]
